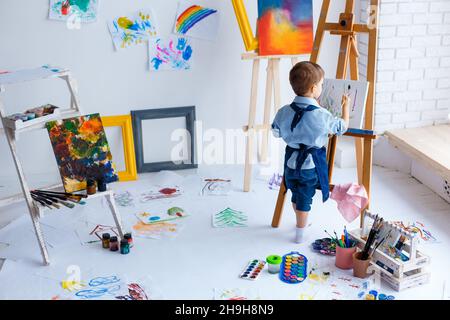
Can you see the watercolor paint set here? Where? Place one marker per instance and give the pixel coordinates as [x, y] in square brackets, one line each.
[253, 269]
[294, 268]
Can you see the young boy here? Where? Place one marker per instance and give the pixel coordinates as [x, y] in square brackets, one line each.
[304, 126]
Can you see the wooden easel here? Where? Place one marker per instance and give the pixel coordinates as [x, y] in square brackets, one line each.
[348, 57]
[272, 87]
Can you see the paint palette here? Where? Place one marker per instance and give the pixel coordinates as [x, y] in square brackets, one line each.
[294, 268]
[253, 269]
[324, 246]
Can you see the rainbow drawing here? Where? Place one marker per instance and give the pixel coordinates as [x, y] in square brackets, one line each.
[191, 16]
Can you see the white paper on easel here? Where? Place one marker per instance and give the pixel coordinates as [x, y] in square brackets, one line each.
[331, 99]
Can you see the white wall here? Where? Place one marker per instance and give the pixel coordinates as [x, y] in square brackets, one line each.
[113, 83]
[413, 84]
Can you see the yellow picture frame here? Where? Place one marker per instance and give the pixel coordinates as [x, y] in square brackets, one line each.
[125, 123]
[250, 41]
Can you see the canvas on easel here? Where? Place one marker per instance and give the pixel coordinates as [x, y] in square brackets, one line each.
[331, 99]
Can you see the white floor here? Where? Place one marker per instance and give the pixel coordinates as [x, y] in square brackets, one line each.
[201, 257]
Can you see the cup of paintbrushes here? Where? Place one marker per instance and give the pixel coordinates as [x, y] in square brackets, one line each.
[360, 265]
[344, 257]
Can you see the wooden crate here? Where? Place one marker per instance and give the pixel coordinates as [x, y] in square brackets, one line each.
[398, 274]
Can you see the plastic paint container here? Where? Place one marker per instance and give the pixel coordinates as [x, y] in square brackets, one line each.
[114, 244]
[124, 246]
[105, 240]
[90, 186]
[274, 263]
[101, 185]
[374, 293]
[370, 297]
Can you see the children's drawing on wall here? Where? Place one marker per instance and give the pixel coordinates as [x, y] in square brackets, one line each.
[229, 218]
[331, 99]
[285, 27]
[85, 10]
[160, 193]
[124, 199]
[171, 53]
[81, 151]
[131, 30]
[216, 187]
[193, 20]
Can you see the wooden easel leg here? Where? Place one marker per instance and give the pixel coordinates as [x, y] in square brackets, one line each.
[251, 126]
[267, 104]
[279, 206]
[367, 169]
[33, 211]
[115, 213]
[320, 31]
[276, 84]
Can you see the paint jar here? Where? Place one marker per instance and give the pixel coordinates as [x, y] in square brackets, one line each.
[374, 292]
[344, 257]
[124, 246]
[360, 266]
[274, 263]
[105, 240]
[101, 185]
[113, 244]
[370, 297]
[90, 186]
[129, 238]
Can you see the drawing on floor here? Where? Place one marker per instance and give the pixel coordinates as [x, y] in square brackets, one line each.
[124, 199]
[229, 218]
[157, 230]
[150, 218]
[193, 20]
[216, 187]
[85, 10]
[285, 27]
[236, 294]
[131, 30]
[93, 233]
[170, 53]
[419, 228]
[160, 194]
[81, 150]
[275, 181]
[331, 99]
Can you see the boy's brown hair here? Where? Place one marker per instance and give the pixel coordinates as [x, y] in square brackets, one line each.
[304, 75]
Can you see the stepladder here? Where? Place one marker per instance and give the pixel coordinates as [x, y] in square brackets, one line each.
[272, 102]
[348, 59]
[13, 130]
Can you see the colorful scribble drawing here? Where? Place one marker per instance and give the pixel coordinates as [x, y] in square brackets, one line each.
[148, 218]
[128, 31]
[193, 20]
[85, 10]
[275, 181]
[156, 230]
[285, 27]
[419, 228]
[81, 150]
[171, 53]
[229, 218]
[135, 292]
[124, 199]
[236, 294]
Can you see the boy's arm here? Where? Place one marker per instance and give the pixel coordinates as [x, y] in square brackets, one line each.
[275, 126]
[345, 109]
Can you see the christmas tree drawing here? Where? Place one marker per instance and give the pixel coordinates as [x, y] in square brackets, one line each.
[229, 218]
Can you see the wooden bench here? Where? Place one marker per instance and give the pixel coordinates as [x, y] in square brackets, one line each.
[430, 145]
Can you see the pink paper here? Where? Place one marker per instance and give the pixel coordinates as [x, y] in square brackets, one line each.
[350, 199]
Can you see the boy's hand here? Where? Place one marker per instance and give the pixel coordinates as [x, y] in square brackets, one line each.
[345, 108]
[345, 100]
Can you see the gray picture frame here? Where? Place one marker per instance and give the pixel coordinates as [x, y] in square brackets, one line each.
[138, 116]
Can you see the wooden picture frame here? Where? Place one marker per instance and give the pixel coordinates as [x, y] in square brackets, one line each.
[250, 41]
[154, 114]
[125, 123]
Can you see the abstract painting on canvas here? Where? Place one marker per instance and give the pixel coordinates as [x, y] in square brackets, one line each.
[331, 99]
[196, 20]
[285, 27]
[85, 10]
[81, 151]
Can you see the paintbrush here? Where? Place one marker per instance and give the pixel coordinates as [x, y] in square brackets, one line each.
[379, 243]
[63, 193]
[42, 203]
[331, 237]
[56, 199]
[61, 197]
[48, 202]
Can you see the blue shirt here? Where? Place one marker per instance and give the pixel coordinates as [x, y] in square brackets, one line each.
[312, 130]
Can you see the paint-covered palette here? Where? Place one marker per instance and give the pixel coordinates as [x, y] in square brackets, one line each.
[253, 269]
[294, 268]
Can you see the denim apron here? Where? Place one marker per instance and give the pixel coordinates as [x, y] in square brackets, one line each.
[319, 155]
